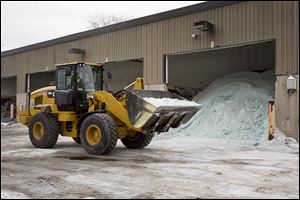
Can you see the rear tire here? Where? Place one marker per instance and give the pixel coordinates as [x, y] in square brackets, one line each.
[43, 130]
[138, 141]
[77, 140]
[98, 134]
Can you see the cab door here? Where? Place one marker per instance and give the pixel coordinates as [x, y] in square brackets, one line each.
[65, 87]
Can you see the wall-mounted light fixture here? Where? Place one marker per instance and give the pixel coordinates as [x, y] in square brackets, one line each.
[204, 26]
[291, 84]
[195, 35]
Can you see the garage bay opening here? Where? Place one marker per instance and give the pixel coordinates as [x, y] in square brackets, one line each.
[233, 84]
[188, 73]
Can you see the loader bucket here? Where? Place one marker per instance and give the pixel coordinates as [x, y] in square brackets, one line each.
[148, 116]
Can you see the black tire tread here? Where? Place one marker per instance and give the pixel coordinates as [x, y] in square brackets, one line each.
[109, 127]
[141, 142]
[51, 130]
[114, 136]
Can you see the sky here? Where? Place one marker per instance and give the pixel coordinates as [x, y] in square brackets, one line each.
[28, 22]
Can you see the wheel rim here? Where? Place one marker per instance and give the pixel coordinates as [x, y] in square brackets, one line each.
[93, 135]
[38, 130]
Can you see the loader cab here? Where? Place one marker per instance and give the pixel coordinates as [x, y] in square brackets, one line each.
[74, 82]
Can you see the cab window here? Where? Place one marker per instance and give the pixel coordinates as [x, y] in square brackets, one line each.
[65, 80]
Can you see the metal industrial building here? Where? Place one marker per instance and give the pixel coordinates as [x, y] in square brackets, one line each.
[169, 51]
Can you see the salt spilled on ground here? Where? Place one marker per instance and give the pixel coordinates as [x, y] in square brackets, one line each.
[170, 102]
[235, 108]
[12, 124]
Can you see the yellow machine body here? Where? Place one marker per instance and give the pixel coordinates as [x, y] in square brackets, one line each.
[80, 108]
[40, 102]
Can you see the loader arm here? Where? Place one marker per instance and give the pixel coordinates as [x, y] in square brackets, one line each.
[113, 106]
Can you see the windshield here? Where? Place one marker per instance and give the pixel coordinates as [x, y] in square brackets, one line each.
[88, 78]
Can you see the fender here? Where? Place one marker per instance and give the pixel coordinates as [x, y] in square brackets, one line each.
[81, 119]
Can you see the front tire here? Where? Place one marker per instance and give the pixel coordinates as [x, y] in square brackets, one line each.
[99, 134]
[138, 141]
[43, 130]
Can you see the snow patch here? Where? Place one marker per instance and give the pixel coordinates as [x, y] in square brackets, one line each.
[4, 124]
[279, 139]
[12, 124]
[8, 194]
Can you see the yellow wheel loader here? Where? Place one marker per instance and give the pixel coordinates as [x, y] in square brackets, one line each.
[79, 107]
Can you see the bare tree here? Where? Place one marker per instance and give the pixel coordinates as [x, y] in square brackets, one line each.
[97, 21]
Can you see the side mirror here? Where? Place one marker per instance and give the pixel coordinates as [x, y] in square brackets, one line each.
[68, 71]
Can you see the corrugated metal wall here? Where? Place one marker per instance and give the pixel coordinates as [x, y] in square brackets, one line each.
[286, 16]
[234, 24]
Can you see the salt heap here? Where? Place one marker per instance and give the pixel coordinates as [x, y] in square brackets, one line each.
[170, 102]
[235, 107]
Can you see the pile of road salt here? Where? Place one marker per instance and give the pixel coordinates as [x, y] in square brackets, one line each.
[170, 102]
[235, 107]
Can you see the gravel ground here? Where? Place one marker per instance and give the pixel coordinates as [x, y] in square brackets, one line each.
[181, 167]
